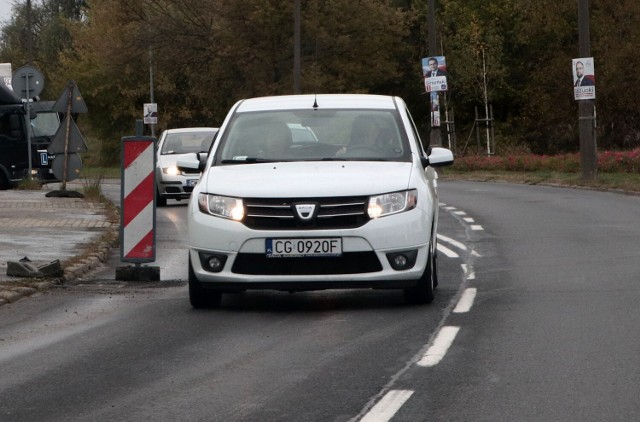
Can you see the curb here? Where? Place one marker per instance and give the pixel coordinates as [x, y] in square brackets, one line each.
[82, 264]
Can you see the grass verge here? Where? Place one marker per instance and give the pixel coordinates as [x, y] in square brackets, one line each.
[605, 181]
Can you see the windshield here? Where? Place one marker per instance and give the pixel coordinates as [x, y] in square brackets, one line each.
[314, 135]
[45, 123]
[187, 142]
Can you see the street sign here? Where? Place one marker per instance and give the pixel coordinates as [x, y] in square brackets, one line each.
[76, 141]
[138, 188]
[74, 165]
[77, 103]
[27, 82]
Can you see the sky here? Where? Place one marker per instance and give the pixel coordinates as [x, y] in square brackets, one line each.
[6, 7]
[5, 11]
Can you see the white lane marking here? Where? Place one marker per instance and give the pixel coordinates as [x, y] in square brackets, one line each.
[387, 407]
[453, 242]
[468, 220]
[466, 271]
[476, 227]
[440, 345]
[469, 273]
[466, 300]
[448, 252]
[460, 213]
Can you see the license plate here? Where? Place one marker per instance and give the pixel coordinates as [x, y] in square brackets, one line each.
[192, 182]
[282, 248]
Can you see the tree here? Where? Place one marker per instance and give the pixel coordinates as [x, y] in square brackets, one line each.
[48, 34]
[207, 54]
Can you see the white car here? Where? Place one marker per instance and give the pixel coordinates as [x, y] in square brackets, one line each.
[173, 144]
[356, 209]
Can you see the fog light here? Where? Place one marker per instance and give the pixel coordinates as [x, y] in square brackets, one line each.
[212, 263]
[215, 264]
[400, 261]
[403, 260]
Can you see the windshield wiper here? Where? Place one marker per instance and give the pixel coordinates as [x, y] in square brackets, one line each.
[252, 160]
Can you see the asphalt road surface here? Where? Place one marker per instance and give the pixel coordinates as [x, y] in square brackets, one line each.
[535, 319]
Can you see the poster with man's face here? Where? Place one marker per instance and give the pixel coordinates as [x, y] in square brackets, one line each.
[434, 70]
[150, 113]
[584, 79]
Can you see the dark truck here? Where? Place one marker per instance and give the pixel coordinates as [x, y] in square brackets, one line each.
[14, 123]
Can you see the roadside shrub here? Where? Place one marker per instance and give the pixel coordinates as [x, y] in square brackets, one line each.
[608, 162]
[619, 161]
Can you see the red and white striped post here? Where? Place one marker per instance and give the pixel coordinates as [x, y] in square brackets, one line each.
[138, 211]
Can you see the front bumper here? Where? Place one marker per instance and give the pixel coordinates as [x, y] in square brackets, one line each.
[365, 262]
[176, 187]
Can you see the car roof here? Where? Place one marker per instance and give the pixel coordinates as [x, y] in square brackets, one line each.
[323, 101]
[192, 129]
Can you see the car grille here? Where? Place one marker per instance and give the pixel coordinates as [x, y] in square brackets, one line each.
[190, 172]
[281, 214]
[347, 263]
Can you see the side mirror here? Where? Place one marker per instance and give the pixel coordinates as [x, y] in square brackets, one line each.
[198, 162]
[439, 157]
[202, 160]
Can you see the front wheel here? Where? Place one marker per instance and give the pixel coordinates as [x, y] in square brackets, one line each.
[422, 293]
[160, 201]
[4, 181]
[199, 296]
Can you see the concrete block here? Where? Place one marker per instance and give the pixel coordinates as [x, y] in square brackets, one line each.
[52, 269]
[23, 269]
[27, 269]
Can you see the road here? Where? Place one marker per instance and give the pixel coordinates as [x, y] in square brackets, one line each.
[535, 318]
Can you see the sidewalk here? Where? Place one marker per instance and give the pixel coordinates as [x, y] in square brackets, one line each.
[43, 229]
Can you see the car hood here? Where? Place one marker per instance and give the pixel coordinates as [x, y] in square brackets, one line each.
[307, 179]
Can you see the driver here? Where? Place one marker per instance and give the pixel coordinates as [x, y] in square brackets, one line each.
[277, 139]
[364, 134]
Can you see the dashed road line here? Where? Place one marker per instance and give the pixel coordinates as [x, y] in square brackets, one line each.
[393, 400]
[466, 301]
[468, 272]
[387, 407]
[440, 345]
[453, 242]
[448, 252]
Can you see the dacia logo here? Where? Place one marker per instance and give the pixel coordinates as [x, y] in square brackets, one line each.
[305, 211]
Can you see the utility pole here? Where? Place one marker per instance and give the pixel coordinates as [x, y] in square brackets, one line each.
[29, 35]
[296, 49]
[435, 135]
[153, 126]
[588, 149]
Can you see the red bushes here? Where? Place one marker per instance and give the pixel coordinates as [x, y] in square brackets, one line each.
[608, 162]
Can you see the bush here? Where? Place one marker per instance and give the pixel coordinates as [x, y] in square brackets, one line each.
[608, 162]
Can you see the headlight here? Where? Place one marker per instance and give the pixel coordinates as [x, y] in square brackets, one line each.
[171, 171]
[392, 203]
[221, 206]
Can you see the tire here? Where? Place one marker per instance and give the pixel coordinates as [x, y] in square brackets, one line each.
[160, 201]
[4, 182]
[422, 293]
[435, 267]
[200, 297]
